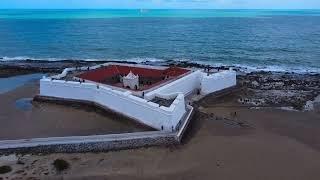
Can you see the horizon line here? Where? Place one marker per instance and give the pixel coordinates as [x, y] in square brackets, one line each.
[159, 8]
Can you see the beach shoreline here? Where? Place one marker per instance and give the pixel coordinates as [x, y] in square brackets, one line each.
[252, 132]
[270, 89]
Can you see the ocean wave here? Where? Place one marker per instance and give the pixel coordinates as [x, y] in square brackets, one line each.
[26, 58]
[275, 68]
[242, 67]
[267, 68]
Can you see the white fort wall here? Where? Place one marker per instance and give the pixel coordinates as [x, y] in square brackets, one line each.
[64, 73]
[84, 68]
[217, 81]
[124, 102]
[197, 81]
[193, 81]
[148, 113]
[184, 85]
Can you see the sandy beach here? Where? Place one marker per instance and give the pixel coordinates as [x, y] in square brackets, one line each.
[268, 144]
[236, 136]
[35, 120]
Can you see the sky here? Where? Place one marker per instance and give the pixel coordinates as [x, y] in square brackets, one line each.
[160, 4]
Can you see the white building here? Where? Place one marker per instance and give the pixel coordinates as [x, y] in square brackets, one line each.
[131, 81]
[140, 108]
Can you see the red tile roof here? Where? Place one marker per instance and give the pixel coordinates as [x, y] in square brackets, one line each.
[98, 75]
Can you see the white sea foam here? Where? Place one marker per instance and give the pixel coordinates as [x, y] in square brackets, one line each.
[242, 67]
[274, 68]
[5, 58]
[24, 58]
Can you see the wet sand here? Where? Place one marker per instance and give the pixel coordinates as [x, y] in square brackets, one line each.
[19, 121]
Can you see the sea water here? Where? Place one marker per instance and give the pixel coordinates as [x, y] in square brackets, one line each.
[10, 83]
[277, 40]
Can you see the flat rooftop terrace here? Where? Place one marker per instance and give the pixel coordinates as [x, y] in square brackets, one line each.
[148, 77]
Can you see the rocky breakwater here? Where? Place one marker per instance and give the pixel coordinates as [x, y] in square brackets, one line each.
[261, 89]
[282, 90]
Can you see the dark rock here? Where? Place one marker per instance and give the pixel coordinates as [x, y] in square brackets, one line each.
[5, 169]
[61, 165]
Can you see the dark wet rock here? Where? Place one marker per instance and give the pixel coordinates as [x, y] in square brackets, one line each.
[61, 165]
[255, 84]
[29, 66]
[313, 105]
[5, 169]
[20, 162]
[19, 172]
[279, 89]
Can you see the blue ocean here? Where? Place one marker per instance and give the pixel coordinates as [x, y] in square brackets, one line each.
[276, 40]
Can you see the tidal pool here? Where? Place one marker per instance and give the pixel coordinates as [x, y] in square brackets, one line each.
[10, 83]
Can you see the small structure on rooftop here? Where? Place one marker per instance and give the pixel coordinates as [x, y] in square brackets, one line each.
[131, 81]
